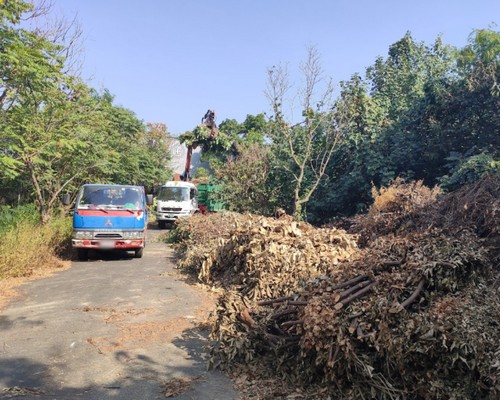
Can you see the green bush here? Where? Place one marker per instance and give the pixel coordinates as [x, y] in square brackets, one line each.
[201, 173]
[469, 170]
[10, 217]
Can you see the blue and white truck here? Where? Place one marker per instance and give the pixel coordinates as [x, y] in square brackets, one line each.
[110, 217]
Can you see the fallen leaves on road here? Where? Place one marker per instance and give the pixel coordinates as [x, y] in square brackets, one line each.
[178, 386]
[16, 391]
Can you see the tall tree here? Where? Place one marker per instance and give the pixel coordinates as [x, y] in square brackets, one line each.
[155, 167]
[303, 149]
[34, 95]
[459, 119]
[55, 131]
[380, 124]
[49, 142]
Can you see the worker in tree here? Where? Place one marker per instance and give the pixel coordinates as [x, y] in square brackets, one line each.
[209, 121]
[209, 118]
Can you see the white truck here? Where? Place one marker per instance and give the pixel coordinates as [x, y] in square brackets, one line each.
[176, 199]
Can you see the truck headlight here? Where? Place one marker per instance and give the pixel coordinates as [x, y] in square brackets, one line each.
[132, 234]
[82, 235]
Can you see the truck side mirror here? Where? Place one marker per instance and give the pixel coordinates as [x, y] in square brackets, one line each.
[149, 199]
[66, 199]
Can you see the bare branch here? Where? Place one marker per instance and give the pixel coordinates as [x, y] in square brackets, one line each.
[414, 295]
[277, 86]
[41, 8]
[308, 144]
[67, 34]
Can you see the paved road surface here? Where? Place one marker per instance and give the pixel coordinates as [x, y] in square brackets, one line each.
[109, 328]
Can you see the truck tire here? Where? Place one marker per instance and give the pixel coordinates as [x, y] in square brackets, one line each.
[83, 254]
[139, 252]
[161, 224]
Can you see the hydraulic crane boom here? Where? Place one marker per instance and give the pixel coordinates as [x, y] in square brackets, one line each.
[208, 121]
[187, 169]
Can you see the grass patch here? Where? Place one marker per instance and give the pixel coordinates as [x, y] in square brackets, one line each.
[27, 248]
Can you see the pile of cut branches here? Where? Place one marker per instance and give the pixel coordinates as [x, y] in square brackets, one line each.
[258, 256]
[266, 257]
[404, 314]
[196, 237]
[412, 314]
[402, 208]
[395, 209]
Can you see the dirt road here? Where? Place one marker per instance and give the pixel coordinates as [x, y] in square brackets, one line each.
[109, 328]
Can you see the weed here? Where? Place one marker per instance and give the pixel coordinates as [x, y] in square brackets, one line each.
[27, 247]
[11, 216]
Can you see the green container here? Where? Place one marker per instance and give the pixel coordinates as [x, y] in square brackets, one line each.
[206, 197]
[202, 194]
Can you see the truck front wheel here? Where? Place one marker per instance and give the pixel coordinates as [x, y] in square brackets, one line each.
[83, 254]
[139, 252]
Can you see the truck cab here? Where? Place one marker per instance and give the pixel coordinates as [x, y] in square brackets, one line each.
[176, 199]
[110, 217]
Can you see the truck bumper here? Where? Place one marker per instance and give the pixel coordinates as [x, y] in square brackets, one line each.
[108, 244]
[169, 217]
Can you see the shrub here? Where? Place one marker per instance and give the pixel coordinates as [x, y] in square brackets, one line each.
[469, 170]
[10, 217]
[26, 247]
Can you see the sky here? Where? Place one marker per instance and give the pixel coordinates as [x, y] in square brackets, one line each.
[170, 60]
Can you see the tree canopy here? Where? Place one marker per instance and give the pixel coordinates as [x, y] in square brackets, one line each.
[421, 112]
[55, 131]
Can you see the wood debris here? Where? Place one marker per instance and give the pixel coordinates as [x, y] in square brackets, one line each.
[17, 391]
[413, 312]
[177, 386]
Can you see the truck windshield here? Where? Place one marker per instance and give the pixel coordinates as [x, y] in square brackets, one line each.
[173, 194]
[110, 197]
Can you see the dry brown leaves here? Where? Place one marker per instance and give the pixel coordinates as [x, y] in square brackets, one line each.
[178, 386]
[413, 314]
[199, 235]
[400, 197]
[266, 257]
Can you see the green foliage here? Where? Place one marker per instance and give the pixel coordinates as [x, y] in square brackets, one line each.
[468, 169]
[10, 217]
[480, 59]
[134, 153]
[254, 129]
[12, 10]
[414, 109]
[231, 134]
[245, 181]
[57, 133]
[201, 173]
[214, 149]
[198, 135]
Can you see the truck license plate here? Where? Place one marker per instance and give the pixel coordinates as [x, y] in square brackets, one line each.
[107, 244]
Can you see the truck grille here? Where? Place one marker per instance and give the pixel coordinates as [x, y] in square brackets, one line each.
[108, 235]
[171, 209]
